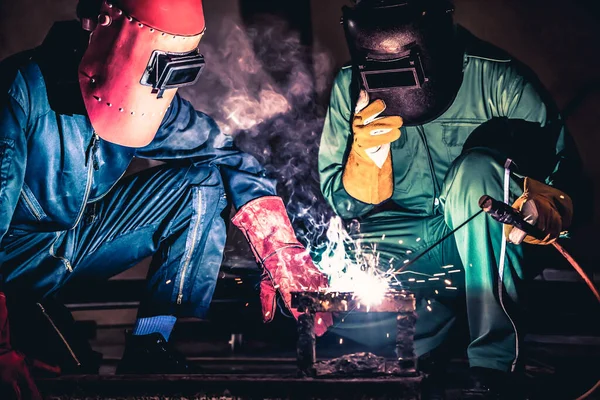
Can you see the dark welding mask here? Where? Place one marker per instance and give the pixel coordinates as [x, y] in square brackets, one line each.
[405, 52]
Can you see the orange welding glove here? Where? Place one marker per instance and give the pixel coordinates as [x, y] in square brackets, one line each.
[363, 179]
[287, 266]
[545, 207]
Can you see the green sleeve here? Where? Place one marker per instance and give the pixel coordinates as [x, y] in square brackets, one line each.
[527, 99]
[333, 150]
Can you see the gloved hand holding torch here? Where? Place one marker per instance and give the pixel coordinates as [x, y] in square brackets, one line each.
[549, 209]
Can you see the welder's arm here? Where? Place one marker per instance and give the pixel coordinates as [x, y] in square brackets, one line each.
[16, 381]
[336, 141]
[13, 157]
[189, 136]
[553, 199]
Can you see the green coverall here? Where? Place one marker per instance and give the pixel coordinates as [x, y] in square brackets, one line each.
[436, 188]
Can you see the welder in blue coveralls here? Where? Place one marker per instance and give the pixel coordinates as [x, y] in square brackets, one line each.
[425, 121]
[74, 113]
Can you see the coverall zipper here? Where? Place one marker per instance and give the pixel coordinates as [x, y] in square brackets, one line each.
[63, 259]
[59, 334]
[94, 164]
[191, 251]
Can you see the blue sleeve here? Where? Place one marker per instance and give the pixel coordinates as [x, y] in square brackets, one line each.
[187, 135]
[13, 148]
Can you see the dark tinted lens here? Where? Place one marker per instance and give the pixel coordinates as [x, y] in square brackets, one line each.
[184, 75]
[383, 80]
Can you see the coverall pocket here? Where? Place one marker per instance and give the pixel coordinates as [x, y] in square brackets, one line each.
[455, 133]
[31, 204]
[6, 149]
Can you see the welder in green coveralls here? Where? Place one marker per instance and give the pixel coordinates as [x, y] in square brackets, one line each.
[425, 121]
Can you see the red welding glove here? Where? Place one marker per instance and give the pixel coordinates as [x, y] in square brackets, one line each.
[16, 382]
[287, 266]
[544, 206]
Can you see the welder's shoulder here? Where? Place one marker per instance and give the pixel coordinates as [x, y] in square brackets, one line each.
[478, 49]
[22, 79]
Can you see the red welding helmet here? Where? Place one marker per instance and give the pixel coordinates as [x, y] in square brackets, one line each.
[139, 53]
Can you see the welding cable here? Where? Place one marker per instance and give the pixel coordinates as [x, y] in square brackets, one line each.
[592, 390]
[577, 268]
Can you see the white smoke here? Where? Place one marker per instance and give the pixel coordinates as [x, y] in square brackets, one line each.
[266, 88]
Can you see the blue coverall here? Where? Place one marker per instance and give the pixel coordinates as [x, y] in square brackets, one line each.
[67, 213]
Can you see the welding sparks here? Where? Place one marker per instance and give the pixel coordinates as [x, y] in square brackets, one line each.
[358, 275]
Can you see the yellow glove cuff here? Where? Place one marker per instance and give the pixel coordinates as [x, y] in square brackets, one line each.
[366, 182]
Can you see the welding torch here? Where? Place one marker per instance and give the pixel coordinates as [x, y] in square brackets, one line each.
[506, 214]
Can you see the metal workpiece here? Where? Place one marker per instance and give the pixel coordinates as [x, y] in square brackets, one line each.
[402, 303]
[305, 349]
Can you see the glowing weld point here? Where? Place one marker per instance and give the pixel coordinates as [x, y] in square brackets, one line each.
[342, 319]
[358, 306]
[421, 280]
[436, 292]
[418, 239]
[267, 313]
[447, 281]
[405, 261]
[391, 259]
[454, 271]
[247, 304]
[561, 196]
[434, 279]
[439, 274]
[411, 279]
[408, 251]
[428, 301]
[449, 266]
[341, 341]
[451, 288]
[470, 265]
[167, 282]
[319, 321]
[400, 241]
[387, 335]
[428, 308]
[383, 237]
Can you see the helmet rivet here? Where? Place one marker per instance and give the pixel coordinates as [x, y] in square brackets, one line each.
[109, 5]
[129, 19]
[104, 20]
[119, 12]
[163, 34]
[141, 25]
[151, 29]
[109, 104]
[120, 110]
[133, 113]
[92, 80]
